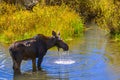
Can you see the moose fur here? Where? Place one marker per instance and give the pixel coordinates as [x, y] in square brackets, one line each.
[33, 48]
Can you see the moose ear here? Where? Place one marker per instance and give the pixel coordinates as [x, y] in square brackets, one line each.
[53, 33]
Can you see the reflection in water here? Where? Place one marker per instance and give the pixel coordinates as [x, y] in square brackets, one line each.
[86, 61]
[86, 67]
[28, 75]
[114, 55]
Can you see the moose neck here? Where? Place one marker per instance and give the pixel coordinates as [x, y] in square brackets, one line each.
[50, 43]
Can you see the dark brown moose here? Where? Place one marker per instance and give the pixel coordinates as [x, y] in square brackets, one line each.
[33, 48]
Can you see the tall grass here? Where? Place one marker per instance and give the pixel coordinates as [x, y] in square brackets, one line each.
[21, 24]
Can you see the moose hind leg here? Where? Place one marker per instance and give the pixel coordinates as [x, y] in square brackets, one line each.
[16, 66]
[34, 64]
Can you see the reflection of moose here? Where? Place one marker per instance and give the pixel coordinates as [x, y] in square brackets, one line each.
[33, 48]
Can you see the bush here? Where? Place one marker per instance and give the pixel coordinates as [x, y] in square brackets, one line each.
[24, 24]
[106, 13]
[6, 8]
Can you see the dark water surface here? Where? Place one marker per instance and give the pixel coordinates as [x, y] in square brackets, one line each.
[92, 58]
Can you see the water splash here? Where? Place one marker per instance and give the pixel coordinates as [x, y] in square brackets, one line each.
[64, 58]
[64, 61]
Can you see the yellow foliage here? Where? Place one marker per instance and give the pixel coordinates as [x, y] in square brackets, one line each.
[43, 19]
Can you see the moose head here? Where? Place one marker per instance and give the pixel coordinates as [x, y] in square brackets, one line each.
[59, 42]
[52, 41]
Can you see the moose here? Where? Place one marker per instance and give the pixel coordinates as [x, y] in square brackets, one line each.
[32, 48]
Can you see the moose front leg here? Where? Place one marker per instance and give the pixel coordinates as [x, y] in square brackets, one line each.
[40, 59]
[34, 64]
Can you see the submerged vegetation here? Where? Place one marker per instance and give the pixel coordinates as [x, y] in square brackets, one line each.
[66, 16]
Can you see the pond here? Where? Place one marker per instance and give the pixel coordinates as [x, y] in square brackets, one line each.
[94, 57]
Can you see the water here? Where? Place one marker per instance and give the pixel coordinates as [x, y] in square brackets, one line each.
[64, 59]
[92, 58]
